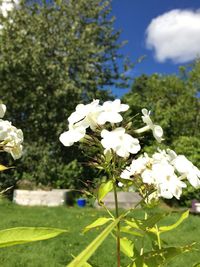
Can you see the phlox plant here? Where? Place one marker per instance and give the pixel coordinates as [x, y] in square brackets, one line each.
[119, 158]
[11, 140]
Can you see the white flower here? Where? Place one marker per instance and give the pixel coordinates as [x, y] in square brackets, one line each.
[122, 143]
[2, 110]
[110, 112]
[73, 135]
[163, 177]
[171, 154]
[86, 115]
[158, 171]
[11, 139]
[161, 156]
[187, 170]
[91, 115]
[147, 176]
[163, 173]
[15, 151]
[156, 129]
[172, 186]
[167, 155]
[126, 174]
[120, 184]
[136, 167]
[7, 6]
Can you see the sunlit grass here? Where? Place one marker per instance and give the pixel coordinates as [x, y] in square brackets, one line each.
[58, 252]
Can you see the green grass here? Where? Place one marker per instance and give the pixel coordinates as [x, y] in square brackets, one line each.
[58, 251]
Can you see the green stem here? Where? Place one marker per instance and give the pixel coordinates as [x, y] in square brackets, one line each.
[142, 241]
[111, 215]
[118, 225]
[158, 237]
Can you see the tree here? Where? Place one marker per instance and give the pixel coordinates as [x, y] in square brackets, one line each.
[172, 100]
[54, 55]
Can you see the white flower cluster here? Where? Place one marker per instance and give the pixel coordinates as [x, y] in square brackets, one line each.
[166, 171]
[11, 138]
[93, 115]
[7, 6]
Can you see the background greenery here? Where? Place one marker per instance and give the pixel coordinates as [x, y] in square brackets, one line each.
[51, 59]
[54, 55]
[58, 252]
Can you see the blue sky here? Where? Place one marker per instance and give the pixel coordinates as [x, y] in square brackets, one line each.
[134, 16]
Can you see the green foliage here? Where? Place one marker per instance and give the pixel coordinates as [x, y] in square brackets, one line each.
[57, 252]
[22, 235]
[51, 59]
[190, 146]
[127, 247]
[158, 255]
[189, 195]
[86, 265]
[183, 216]
[44, 168]
[104, 189]
[149, 224]
[171, 99]
[90, 249]
[99, 222]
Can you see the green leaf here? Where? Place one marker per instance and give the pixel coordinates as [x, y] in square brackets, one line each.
[104, 189]
[131, 265]
[86, 265]
[89, 251]
[99, 222]
[3, 168]
[161, 256]
[196, 264]
[172, 226]
[133, 223]
[126, 246]
[151, 221]
[146, 225]
[127, 229]
[21, 235]
[138, 264]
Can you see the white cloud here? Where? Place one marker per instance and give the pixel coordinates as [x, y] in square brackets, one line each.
[175, 35]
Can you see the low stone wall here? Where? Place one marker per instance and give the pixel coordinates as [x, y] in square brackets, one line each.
[195, 207]
[51, 198]
[126, 200]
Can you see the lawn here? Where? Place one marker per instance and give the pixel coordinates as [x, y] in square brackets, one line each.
[58, 252]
